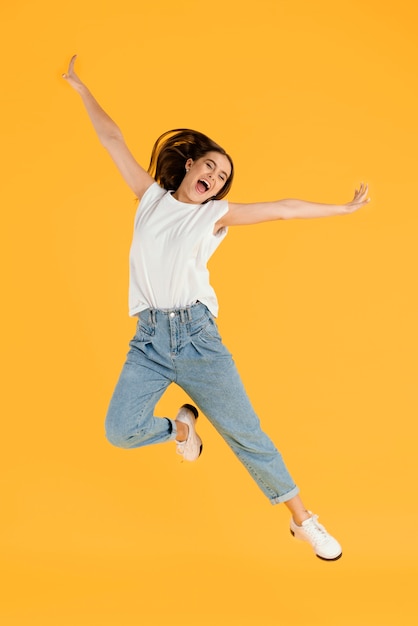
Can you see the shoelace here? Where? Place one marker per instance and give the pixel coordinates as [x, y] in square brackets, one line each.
[316, 532]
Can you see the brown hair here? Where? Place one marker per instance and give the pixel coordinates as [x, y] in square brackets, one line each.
[171, 151]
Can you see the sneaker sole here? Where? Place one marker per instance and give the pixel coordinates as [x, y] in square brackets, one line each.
[334, 558]
[323, 558]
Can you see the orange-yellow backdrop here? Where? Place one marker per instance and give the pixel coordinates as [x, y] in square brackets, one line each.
[310, 98]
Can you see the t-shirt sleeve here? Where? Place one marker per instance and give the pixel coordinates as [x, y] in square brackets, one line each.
[152, 194]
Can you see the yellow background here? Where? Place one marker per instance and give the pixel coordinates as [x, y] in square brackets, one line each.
[310, 98]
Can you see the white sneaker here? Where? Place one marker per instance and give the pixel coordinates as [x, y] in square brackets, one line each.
[191, 448]
[325, 546]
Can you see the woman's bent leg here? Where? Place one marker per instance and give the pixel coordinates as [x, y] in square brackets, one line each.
[130, 421]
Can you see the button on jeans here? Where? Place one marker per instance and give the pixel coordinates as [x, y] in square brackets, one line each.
[183, 346]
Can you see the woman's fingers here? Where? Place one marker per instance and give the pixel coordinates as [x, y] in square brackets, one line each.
[71, 65]
[361, 193]
[70, 71]
[364, 191]
[360, 198]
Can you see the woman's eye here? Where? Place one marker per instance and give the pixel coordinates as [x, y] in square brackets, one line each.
[210, 166]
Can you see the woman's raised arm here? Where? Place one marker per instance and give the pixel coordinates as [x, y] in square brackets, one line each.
[110, 136]
[289, 209]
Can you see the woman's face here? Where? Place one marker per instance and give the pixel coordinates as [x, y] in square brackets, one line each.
[204, 178]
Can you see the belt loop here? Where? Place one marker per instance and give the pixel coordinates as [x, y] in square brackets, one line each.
[182, 316]
[189, 314]
[153, 316]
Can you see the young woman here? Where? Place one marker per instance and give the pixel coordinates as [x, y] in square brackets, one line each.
[180, 221]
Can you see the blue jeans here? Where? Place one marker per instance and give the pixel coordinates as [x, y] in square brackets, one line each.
[183, 346]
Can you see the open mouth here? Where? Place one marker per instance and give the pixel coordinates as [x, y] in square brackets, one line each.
[202, 186]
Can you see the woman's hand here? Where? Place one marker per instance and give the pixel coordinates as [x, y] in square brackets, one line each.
[360, 199]
[71, 77]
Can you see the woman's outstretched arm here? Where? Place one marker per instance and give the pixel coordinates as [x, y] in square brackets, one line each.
[110, 136]
[289, 209]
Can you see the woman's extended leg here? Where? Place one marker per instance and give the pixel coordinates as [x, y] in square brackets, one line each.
[205, 369]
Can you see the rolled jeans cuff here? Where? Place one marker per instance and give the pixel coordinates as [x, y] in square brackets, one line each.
[285, 497]
[173, 432]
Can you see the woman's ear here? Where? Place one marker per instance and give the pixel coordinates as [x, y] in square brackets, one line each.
[189, 164]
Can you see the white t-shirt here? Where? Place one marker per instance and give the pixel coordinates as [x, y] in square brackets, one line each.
[172, 243]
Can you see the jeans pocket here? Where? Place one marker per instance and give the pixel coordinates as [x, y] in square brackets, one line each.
[210, 332]
[144, 331]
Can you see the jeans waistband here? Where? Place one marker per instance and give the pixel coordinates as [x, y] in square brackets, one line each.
[186, 314]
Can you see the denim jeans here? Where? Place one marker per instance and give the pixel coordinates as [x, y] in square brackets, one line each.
[183, 346]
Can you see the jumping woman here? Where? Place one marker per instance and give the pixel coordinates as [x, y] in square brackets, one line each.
[180, 221]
